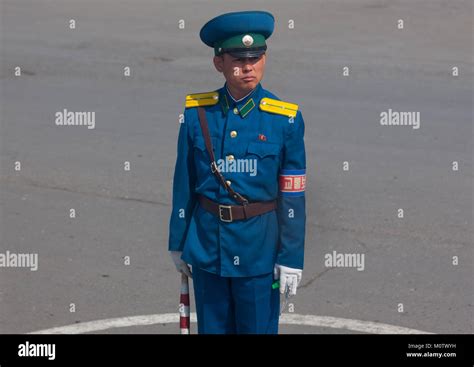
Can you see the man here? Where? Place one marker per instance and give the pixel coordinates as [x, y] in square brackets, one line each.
[238, 214]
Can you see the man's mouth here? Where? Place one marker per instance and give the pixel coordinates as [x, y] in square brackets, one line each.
[248, 78]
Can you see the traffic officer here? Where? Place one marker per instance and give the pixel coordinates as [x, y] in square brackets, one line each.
[238, 215]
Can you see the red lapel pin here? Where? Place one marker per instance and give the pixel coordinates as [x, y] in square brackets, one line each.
[262, 137]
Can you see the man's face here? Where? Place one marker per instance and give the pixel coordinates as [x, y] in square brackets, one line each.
[241, 74]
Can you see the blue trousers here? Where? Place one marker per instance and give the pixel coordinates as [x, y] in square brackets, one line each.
[245, 305]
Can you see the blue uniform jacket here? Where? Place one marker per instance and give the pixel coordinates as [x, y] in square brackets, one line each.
[262, 154]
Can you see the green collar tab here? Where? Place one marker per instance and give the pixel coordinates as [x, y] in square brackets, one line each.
[246, 108]
[224, 104]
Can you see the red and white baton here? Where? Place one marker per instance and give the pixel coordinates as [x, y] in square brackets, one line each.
[184, 319]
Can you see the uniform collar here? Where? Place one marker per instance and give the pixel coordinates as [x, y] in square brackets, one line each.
[244, 105]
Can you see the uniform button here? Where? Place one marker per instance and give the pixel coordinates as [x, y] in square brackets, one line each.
[228, 183]
[230, 157]
[233, 134]
[236, 111]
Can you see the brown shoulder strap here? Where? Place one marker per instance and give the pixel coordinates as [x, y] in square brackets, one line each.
[205, 132]
[214, 169]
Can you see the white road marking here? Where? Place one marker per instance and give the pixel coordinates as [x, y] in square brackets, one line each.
[368, 327]
[285, 319]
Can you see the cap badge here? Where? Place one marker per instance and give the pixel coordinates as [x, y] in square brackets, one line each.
[247, 40]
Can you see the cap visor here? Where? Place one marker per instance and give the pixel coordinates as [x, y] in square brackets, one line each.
[247, 53]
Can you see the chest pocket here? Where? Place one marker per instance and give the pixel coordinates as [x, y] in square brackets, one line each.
[263, 149]
[199, 143]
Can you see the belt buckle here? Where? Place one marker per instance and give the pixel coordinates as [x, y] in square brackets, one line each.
[221, 216]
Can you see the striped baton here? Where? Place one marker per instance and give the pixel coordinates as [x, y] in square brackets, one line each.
[184, 320]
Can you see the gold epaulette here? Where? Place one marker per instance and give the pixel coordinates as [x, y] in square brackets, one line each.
[202, 99]
[279, 107]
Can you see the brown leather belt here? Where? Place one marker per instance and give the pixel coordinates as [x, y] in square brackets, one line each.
[229, 213]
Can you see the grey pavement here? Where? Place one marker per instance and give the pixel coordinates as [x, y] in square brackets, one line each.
[122, 213]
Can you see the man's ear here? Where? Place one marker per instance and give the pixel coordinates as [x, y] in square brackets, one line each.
[219, 63]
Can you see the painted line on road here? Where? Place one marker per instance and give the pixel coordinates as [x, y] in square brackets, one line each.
[368, 327]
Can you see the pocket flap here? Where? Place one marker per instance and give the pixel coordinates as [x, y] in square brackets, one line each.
[263, 149]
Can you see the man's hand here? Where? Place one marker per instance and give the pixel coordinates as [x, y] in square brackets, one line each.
[289, 277]
[181, 266]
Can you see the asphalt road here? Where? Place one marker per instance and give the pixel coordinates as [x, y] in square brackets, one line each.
[120, 213]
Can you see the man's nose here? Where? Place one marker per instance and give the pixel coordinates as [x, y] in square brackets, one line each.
[246, 65]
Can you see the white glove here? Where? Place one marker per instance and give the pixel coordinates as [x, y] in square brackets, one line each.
[289, 277]
[181, 266]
